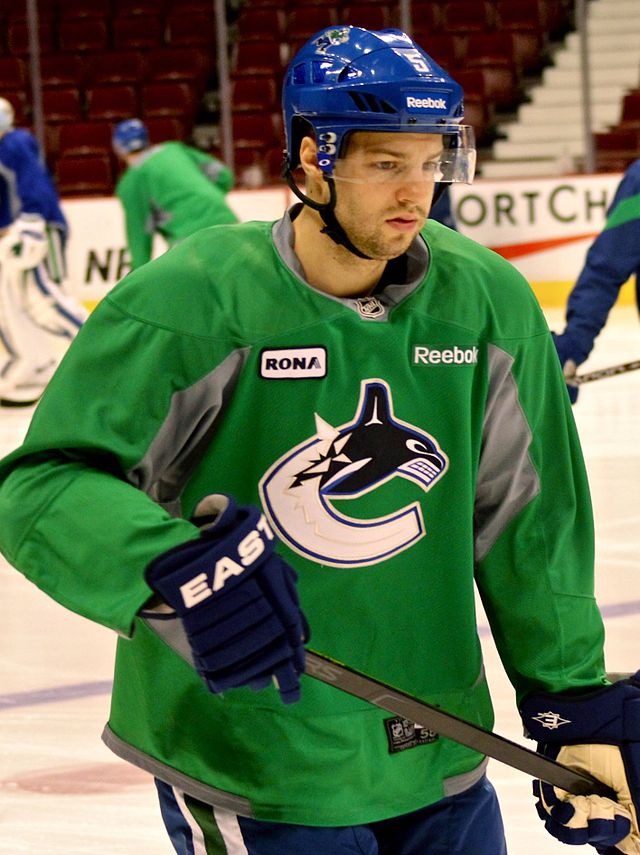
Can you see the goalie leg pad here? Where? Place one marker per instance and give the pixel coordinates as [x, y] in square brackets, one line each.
[37, 322]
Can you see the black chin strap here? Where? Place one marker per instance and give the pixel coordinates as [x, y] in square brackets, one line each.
[437, 193]
[332, 227]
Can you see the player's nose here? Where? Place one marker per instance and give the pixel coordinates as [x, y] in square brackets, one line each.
[415, 191]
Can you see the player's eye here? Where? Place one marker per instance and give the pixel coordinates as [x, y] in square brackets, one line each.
[386, 165]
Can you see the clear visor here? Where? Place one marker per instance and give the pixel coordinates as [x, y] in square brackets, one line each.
[392, 165]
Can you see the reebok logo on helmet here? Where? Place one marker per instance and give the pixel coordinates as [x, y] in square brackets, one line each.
[420, 102]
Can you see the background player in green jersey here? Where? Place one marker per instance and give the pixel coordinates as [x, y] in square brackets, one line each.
[344, 423]
[170, 189]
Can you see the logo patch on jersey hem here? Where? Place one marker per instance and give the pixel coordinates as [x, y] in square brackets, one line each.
[293, 363]
[403, 734]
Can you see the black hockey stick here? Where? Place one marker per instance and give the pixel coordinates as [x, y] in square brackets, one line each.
[381, 695]
[598, 374]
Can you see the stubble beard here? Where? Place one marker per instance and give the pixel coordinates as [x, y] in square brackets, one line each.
[378, 243]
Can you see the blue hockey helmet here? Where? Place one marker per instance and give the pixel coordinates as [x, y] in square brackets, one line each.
[347, 79]
[129, 136]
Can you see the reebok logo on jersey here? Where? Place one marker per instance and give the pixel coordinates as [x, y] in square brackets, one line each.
[416, 103]
[445, 356]
[293, 363]
[249, 550]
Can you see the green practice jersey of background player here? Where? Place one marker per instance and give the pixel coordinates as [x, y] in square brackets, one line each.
[175, 190]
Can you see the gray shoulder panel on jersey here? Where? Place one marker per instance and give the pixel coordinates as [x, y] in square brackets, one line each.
[391, 295]
[212, 169]
[144, 155]
[158, 218]
[196, 789]
[185, 434]
[507, 479]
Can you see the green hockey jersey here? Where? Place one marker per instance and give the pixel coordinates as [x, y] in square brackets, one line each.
[405, 446]
[175, 190]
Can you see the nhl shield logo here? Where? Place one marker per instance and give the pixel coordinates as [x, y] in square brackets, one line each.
[370, 307]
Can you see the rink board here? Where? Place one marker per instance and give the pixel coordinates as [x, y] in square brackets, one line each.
[544, 226]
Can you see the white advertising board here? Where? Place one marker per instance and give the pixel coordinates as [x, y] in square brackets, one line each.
[544, 226]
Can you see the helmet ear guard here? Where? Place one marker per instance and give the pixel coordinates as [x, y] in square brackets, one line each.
[332, 227]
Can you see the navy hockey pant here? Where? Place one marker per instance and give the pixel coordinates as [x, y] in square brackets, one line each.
[457, 825]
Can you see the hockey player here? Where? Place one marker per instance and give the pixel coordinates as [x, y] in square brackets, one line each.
[37, 317]
[171, 189]
[343, 420]
[612, 258]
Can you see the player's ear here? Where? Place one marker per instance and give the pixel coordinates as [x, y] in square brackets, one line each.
[309, 157]
[315, 185]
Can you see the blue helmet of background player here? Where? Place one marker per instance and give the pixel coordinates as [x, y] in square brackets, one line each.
[347, 79]
[129, 136]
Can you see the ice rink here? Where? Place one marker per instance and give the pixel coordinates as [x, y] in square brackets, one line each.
[63, 793]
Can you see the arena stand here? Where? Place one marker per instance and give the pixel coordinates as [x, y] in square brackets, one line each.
[105, 60]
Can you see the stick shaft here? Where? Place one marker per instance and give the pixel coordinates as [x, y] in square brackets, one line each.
[380, 694]
[600, 373]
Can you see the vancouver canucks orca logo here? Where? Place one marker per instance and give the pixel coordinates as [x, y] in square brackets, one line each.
[344, 463]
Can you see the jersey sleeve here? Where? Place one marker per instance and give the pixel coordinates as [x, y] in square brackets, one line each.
[93, 494]
[534, 537]
[132, 192]
[613, 257]
[32, 182]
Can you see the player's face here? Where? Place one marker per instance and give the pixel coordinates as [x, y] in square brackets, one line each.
[384, 187]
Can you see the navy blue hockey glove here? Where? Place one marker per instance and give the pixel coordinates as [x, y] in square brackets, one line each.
[597, 733]
[236, 599]
[570, 357]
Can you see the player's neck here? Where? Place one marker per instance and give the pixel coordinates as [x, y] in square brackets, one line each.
[134, 156]
[329, 267]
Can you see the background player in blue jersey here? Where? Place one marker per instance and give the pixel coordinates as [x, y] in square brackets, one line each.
[37, 317]
[613, 257]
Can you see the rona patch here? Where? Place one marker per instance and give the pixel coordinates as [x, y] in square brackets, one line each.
[293, 363]
[403, 734]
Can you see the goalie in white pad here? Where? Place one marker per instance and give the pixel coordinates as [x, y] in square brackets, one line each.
[37, 318]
